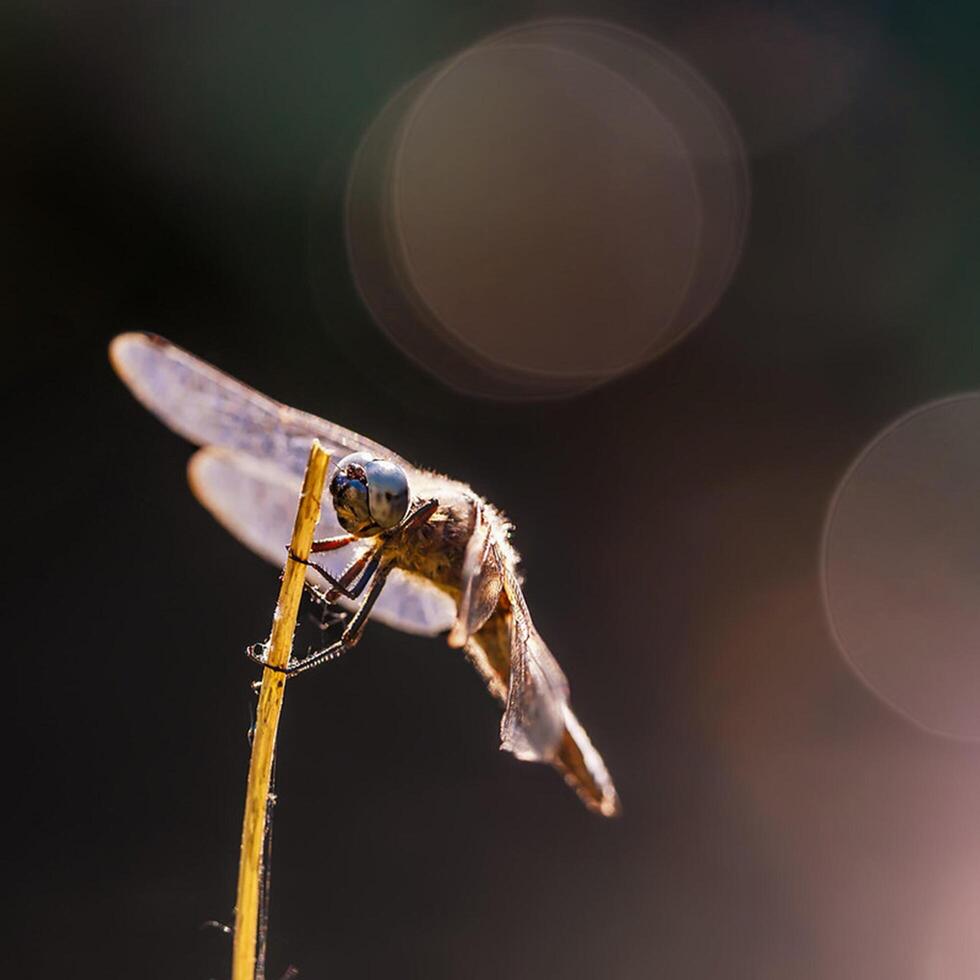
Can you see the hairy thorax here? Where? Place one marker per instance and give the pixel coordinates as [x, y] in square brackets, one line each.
[435, 551]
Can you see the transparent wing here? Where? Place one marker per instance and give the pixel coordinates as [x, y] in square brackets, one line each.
[491, 653]
[209, 407]
[256, 501]
[537, 696]
[482, 581]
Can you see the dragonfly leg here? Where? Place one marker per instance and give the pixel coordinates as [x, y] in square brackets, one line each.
[349, 639]
[331, 544]
[341, 586]
[419, 516]
[326, 613]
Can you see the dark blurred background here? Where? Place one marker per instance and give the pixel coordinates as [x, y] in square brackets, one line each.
[182, 168]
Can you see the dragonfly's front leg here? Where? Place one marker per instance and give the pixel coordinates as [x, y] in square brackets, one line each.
[331, 544]
[349, 638]
[327, 600]
[420, 515]
[342, 586]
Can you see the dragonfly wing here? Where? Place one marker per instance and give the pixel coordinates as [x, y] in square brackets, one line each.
[256, 502]
[575, 757]
[209, 407]
[482, 581]
[537, 695]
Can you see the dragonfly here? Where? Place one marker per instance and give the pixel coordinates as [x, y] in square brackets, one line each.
[396, 543]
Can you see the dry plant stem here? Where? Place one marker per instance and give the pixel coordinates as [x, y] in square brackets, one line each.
[267, 718]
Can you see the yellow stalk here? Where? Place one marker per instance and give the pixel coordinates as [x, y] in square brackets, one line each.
[267, 718]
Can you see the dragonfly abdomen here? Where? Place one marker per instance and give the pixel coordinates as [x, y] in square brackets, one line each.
[575, 758]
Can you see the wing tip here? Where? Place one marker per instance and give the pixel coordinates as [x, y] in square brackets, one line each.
[125, 350]
[195, 468]
[122, 341]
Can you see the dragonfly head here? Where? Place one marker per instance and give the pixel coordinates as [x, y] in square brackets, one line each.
[369, 495]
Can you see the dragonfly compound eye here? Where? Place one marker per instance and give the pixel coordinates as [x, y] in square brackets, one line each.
[387, 492]
[369, 494]
[350, 493]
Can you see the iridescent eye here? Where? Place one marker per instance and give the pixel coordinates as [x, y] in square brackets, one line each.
[350, 493]
[387, 492]
[369, 494]
[354, 464]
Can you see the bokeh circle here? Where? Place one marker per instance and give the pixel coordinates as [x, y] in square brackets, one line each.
[901, 566]
[550, 209]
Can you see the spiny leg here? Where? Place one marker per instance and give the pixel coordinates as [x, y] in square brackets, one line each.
[340, 585]
[330, 597]
[327, 599]
[331, 544]
[419, 516]
[414, 519]
[355, 626]
[326, 613]
[349, 638]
